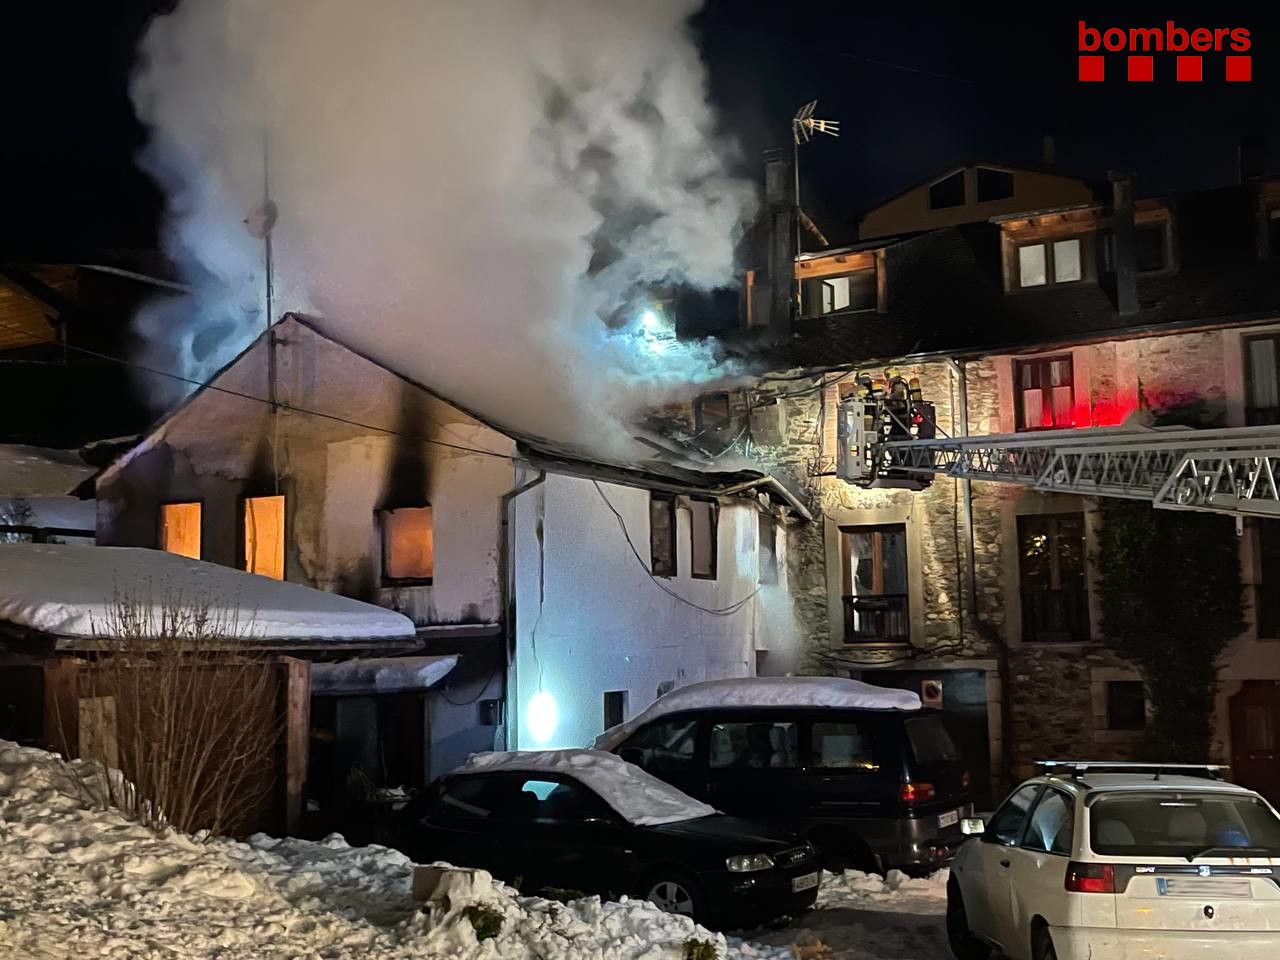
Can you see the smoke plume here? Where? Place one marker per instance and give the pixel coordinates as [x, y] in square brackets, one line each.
[474, 192]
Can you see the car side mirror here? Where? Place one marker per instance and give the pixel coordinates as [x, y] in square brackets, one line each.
[973, 826]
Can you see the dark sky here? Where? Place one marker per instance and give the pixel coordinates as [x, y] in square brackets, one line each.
[67, 176]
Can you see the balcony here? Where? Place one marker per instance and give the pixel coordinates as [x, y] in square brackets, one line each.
[1055, 616]
[882, 618]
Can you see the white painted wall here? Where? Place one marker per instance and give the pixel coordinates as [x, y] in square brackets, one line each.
[590, 618]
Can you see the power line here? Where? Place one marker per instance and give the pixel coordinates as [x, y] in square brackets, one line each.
[906, 68]
[282, 404]
[715, 612]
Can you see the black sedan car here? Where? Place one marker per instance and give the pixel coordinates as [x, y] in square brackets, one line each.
[582, 820]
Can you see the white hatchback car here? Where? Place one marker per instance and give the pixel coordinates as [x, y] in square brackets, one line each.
[1122, 861]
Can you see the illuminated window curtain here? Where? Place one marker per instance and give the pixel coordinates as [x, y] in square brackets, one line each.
[408, 543]
[180, 529]
[264, 536]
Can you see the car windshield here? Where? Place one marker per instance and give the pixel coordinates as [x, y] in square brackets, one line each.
[1183, 825]
[930, 741]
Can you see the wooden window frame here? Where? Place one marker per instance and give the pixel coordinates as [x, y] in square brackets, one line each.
[1050, 282]
[700, 404]
[672, 559]
[1251, 409]
[160, 522]
[1019, 415]
[715, 538]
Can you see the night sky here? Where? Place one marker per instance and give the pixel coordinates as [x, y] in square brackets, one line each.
[914, 87]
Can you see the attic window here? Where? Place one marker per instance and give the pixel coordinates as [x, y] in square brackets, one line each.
[180, 529]
[408, 545]
[1059, 260]
[711, 412]
[263, 530]
[849, 291]
[947, 192]
[994, 184]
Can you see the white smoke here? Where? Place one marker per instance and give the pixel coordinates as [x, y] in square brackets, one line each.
[465, 187]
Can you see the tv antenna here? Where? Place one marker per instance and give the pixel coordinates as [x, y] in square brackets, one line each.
[803, 128]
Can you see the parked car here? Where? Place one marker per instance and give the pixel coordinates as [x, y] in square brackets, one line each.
[587, 821]
[869, 777]
[1120, 861]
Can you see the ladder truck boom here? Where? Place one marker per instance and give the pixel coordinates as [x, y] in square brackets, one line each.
[888, 438]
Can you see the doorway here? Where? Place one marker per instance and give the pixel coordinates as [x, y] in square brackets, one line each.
[1255, 737]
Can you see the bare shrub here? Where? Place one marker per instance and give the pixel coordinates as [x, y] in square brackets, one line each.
[187, 711]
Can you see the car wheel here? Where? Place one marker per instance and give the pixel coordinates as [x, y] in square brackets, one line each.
[964, 944]
[1042, 945]
[674, 892]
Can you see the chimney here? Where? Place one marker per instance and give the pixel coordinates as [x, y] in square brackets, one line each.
[1125, 262]
[1048, 150]
[1251, 156]
[780, 209]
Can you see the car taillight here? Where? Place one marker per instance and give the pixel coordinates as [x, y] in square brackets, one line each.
[965, 780]
[913, 792]
[1090, 878]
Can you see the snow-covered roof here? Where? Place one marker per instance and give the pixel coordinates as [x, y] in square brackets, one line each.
[70, 591]
[765, 692]
[39, 471]
[636, 796]
[381, 674]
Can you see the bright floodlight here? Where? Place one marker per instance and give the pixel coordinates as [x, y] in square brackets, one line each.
[649, 320]
[542, 717]
[804, 126]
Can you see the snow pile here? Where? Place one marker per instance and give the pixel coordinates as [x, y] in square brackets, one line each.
[894, 891]
[39, 471]
[765, 692]
[636, 796]
[380, 674]
[76, 881]
[68, 590]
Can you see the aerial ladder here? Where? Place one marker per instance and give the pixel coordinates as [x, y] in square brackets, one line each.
[888, 437]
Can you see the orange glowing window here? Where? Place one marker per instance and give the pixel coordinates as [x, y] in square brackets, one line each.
[264, 536]
[408, 544]
[180, 529]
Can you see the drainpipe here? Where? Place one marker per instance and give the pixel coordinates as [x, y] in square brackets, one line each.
[984, 630]
[507, 577]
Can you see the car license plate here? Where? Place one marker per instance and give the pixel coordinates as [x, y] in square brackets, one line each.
[806, 882]
[949, 819]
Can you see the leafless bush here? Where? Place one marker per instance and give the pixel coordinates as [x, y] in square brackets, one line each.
[184, 708]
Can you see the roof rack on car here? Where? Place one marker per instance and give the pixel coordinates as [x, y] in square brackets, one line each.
[1078, 768]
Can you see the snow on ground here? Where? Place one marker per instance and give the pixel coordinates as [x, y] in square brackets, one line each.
[69, 591]
[895, 891]
[636, 796]
[81, 882]
[765, 692]
[39, 471]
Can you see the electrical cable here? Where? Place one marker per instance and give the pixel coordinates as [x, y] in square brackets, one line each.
[717, 612]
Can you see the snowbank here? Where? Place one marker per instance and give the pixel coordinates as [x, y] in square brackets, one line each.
[894, 892]
[39, 471]
[637, 797]
[82, 882]
[67, 590]
[765, 692]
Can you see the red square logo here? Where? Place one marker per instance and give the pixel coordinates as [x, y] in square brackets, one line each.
[1092, 69]
[1239, 69]
[1190, 69]
[1141, 68]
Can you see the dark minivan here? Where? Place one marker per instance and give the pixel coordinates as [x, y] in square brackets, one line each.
[870, 788]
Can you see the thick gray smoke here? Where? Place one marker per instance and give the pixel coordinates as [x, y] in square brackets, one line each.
[465, 187]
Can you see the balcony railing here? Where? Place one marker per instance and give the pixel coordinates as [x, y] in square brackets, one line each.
[1055, 616]
[876, 619]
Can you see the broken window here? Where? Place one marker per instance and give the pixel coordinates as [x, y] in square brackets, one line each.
[408, 544]
[263, 533]
[767, 529]
[994, 184]
[711, 412]
[846, 292]
[180, 529]
[703, 519]
[1043, 392]
[1055, 605]
[1126, 705]
[875, 583]
[947, 192]
[1262, 373]
[662, 535]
